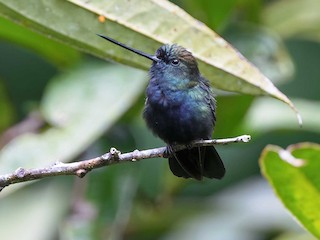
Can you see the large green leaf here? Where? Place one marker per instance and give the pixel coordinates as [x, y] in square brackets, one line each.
[80, 105]
[143, 24]
[57, 53]
[294, 175]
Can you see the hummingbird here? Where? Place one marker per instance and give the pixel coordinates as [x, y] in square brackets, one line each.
[180, 108]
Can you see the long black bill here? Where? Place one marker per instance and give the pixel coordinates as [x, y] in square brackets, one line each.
[146, 55]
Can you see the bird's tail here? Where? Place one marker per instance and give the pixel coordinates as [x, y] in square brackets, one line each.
[197, 163]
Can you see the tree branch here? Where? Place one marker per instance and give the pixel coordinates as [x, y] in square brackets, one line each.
[81, 168]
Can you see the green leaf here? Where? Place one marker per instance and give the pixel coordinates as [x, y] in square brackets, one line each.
[57, 53]
[214, 13]
[145, 25]
[81, 105]
[294, 175]
[294, 18]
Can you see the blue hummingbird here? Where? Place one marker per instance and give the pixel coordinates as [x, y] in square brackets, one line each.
[180, 108]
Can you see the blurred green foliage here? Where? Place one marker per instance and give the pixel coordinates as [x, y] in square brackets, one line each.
[144, 200]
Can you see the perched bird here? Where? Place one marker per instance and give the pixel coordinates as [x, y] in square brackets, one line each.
[180, 108]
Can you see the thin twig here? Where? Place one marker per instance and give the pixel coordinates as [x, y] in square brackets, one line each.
[81, 168]
[32, 123]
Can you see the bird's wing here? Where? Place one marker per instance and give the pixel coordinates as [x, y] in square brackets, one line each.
[209, 97]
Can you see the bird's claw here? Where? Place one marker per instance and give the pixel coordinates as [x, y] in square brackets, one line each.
[168, 152]
[189, 146]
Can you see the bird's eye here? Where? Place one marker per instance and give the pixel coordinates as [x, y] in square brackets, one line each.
[175, 61]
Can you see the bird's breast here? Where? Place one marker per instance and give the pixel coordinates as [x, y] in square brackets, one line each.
[177, 116]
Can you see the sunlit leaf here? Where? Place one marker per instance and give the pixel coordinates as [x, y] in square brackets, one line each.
[294, 175]
[145, 25]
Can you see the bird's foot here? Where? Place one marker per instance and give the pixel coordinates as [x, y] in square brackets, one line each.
[189, 146]
[168, 152]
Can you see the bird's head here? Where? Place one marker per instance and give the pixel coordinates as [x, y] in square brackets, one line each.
[175, 61]
[172, 65]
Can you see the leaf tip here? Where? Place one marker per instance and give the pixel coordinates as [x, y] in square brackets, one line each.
[299, 119]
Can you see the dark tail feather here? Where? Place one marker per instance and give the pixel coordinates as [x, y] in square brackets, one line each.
[197, 163]
[213, 165]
